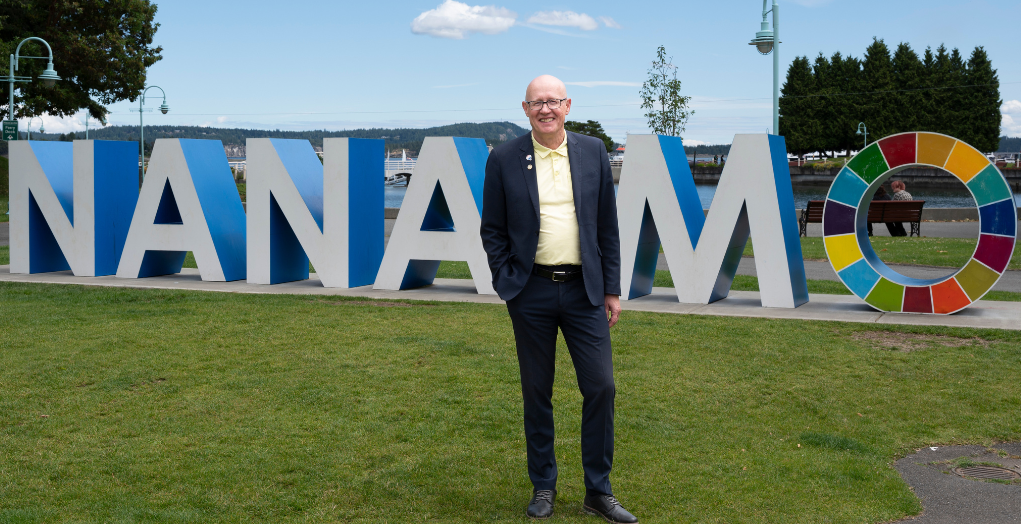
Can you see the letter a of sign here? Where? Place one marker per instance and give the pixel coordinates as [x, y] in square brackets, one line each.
[71, 205]
[440, 217]
[754, 196]
[300, 210]
[188, 202]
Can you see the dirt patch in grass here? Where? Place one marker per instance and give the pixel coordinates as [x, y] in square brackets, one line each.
[907, 342]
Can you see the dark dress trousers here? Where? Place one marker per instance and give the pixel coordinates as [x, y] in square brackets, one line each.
[538, 306]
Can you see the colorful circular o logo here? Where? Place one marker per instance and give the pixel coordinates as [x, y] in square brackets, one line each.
[850, 251]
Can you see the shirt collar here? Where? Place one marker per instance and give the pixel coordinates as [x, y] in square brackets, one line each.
[543, 151]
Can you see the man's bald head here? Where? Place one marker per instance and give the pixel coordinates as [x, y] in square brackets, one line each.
[545, 85]
[548, 119]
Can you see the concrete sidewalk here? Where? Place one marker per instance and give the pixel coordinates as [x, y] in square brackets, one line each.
[822, 270]
[840, 308]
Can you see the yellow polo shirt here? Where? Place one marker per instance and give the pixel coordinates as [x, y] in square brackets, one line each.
[558, 224]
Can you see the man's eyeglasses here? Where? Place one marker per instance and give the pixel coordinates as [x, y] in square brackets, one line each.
[536, 105]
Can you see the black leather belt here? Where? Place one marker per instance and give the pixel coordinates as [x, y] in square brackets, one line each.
[557, 273]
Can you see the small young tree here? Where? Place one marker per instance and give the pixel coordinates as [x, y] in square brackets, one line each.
[661, 96]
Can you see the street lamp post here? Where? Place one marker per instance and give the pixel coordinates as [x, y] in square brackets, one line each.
[49, 76]
[42, 126]
[767, 41]
[102, 122]
[141, 126]
[863, 130]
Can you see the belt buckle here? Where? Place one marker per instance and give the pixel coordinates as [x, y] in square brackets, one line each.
[560, 276]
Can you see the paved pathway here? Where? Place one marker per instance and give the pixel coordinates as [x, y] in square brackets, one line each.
[950, 499]
[822, 270]
[841, 308]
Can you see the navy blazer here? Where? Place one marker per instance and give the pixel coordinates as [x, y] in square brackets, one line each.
[510, 215]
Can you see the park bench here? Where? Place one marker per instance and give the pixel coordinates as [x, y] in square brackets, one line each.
[880, 211]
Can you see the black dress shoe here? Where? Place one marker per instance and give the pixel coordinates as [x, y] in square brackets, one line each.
[606, 506]
[541, 505]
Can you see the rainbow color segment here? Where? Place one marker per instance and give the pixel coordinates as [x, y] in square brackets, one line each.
[846, 236]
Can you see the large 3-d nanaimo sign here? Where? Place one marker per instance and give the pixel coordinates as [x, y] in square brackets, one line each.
[78, 207]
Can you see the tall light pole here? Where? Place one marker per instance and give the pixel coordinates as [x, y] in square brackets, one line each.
[49, 76]
[42, 126]
[767, 41]
[141, 126]
[102, 122]
[863, 130]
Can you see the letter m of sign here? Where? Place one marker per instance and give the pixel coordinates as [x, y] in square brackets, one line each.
[658, 203]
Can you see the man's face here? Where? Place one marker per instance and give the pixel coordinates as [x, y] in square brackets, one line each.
[546, 121]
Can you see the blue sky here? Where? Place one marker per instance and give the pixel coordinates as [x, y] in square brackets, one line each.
[301, 64]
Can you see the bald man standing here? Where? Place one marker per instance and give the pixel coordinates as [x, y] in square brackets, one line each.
[549, 227]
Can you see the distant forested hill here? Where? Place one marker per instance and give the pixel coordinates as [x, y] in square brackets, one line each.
[411, 139]
[708, 149]
[1009, 144]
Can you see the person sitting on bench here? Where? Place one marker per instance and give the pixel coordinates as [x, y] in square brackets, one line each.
[896, 229]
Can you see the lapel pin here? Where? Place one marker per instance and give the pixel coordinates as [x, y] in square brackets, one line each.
[529, 166]
[529, 157]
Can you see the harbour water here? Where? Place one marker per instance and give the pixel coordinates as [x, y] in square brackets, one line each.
[938, 198]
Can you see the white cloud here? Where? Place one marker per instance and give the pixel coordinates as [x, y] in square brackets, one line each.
[599, 83]
[456, 20]
[58, 124]
[564, 19]
[1011, 106]
[690, 142]
[1009, 127]
[609, 22]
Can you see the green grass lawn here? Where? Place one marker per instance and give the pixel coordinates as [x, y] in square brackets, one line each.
[124, 405]
[4, 208]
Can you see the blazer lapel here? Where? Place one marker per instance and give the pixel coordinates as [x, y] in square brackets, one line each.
[574, 156]
[528, 171]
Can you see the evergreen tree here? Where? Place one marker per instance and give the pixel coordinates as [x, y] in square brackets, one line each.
[879, 103]
[941, 93]
[927, 116]
[983, 102]
[799, 125]
[908, 74]
[940, 97]
[845, 82]
[956, 110]
[822, 73]
[591, 128]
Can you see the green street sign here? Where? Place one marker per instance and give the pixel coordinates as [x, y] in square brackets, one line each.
[10, 130]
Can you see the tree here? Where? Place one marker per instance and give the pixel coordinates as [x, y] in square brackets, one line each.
[940, 93]
[908, 72]
[982, 102]
[798, 107]
[101, 49]
[846, 103]
[879, 102]
[591, 128]
[661, 95]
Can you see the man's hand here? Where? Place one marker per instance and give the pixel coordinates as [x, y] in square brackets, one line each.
[612, 303]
